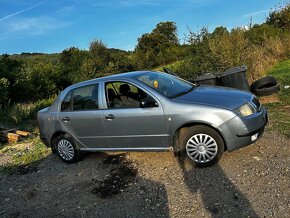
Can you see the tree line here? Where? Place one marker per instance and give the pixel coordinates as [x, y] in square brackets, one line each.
[30, 77]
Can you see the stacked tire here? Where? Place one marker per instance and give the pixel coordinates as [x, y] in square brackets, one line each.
[265, 86]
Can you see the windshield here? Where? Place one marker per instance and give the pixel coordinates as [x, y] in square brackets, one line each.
[166, 84]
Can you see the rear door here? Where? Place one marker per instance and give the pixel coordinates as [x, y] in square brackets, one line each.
[80, 116]
[129, 126]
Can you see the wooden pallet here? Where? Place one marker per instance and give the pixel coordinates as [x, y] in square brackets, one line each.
[12, 135]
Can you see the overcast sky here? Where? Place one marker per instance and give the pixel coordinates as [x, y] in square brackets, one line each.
[52, 25]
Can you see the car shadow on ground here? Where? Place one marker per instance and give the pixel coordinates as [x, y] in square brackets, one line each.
[219, 195]
[101, 185]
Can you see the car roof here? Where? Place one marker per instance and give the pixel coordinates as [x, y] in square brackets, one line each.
[114, 76]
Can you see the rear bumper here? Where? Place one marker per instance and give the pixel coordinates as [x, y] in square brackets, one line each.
[242, 131]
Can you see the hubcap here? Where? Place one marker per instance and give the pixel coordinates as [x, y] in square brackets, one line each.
[201, 148]
[65, 149]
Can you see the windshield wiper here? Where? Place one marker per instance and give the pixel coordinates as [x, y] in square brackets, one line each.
[183, 93]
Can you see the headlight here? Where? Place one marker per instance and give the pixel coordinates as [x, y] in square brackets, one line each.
[246, 110]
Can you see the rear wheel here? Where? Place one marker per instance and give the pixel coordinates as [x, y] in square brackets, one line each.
[202, 145]
[66, 149]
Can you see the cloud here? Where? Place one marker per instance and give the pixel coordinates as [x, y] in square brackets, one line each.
[30, 26]
[253, 14]
[21, 11]
[34, 26]
[67, 10]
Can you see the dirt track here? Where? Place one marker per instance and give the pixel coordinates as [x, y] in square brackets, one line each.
[253, 181]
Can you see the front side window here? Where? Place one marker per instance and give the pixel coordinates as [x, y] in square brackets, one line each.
[166, 84]
[81, 99]
[124, 95]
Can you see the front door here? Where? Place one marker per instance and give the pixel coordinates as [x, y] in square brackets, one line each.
[128, 125]
[80, 116]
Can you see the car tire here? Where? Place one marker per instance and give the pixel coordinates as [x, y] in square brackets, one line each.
[66, 149]
[267, 90]
[264, 82]
[202, 145]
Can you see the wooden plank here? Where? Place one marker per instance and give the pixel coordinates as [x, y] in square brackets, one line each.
[12, 137]
[22, 133]
[12, 140]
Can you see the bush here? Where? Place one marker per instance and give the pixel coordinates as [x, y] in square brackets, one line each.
[19, 113]
[4, 90]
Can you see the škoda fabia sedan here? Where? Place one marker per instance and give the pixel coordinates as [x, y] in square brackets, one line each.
[151, 111]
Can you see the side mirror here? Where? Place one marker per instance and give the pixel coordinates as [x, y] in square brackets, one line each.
[148, 102]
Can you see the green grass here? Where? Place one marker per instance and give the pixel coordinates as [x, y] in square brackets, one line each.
[173, 66]
[280, 112]
[24, 156]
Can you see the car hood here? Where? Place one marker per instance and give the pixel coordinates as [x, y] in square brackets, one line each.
[216, 96]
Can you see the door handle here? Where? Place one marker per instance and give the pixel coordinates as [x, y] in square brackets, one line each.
[66, 119]
[110, 117]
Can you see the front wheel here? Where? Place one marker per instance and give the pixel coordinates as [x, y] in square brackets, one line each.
[202, 145]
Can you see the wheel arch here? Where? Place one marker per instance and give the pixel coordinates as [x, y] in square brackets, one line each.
[179, 131]
[54, 136]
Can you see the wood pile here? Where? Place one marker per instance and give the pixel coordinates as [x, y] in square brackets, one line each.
[12, 135]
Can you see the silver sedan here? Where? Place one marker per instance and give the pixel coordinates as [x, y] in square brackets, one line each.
[151, 111]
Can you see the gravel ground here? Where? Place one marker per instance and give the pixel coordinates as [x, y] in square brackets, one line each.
[250, 182]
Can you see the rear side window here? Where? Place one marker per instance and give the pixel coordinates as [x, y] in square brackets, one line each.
[81, 99]
[66, 103]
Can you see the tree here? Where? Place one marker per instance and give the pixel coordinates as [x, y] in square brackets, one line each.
[10, 69]
[99, 49]
[199, 56]
[158, 47]
[71, 61]
[280, 18]
[37, 81]
[167, 31]
[258, 34]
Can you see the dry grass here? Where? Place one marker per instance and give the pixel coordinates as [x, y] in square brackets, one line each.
[269, 99]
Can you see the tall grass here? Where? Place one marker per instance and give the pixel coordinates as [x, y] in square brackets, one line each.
[21, 114]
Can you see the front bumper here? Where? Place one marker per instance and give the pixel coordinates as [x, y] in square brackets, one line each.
[241, 131]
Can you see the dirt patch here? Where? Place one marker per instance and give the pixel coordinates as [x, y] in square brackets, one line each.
[25, 169]
[30, 195]
[269, 99]
[118, 179]
[20, 170]
[115, 159]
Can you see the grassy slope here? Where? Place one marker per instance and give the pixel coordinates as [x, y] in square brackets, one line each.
[173, 66]
[280, 111]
